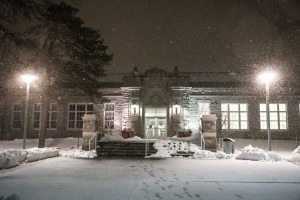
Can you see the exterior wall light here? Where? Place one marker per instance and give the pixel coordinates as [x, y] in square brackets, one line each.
[176, 108]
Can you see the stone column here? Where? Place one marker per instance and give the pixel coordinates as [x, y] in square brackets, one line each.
[209, 131]
[88, 130]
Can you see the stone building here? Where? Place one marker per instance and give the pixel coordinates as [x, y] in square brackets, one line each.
[157, 104]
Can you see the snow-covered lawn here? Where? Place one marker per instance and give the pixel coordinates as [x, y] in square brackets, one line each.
[11, 155]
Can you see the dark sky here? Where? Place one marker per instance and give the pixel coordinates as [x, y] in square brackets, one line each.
[197, 35]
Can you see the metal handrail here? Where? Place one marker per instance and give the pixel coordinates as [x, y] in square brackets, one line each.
[202, 141]
[96, 138]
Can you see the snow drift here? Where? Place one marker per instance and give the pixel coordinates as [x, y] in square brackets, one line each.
[14, 157]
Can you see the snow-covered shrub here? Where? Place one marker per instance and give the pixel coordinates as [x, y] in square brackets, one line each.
[256, 154]
[272, 156]
[36, 154]
[184, 133]
[252, 153]
[112, 137]
[295, 157]
[128, 133]
[204, 154]
[77, 153]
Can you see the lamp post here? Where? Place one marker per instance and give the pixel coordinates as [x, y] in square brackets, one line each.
[267, 78]
[28, 79]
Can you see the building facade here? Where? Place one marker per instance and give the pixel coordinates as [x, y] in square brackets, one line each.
[158, 103]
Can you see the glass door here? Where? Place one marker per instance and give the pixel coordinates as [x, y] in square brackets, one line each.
[156, 127]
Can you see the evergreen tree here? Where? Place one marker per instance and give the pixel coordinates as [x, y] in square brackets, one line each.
[62, 51]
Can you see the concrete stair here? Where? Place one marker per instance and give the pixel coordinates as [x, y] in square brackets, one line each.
[124, 149]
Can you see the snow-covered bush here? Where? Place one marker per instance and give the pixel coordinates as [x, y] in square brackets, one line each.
[112, 137]
[14, 157]
[204, 154]
[77, 153]
[295, 157]
[128, 133]
[184, 133]
[256, 154]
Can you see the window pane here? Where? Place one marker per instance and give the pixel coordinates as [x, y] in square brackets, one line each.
[71, 124]
[273, 124]
[80, 107]
[273, 107]
[224, 107]
[54, 116]
[234, 116]
[243, 107]
[54, 107]
[263, 124]
[282, 107]
[72, 116]
[233, 107]
[282, 116]
[244, 125]
[244, 116]
[262, 107]
[263, 116]
[283, 125]
[273, 116]
[234, 125]
[72, 107]
[90, 107]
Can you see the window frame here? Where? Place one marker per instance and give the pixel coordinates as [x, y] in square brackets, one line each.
[49, 116]
[21, 116]
[105, 127]
[278, 116]
[76, 120]
[239, 121]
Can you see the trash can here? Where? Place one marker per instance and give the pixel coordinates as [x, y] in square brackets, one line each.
[228, 145]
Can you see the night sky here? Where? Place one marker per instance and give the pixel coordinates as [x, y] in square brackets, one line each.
[197, 35]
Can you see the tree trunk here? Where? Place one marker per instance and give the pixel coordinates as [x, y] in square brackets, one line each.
[45, 109]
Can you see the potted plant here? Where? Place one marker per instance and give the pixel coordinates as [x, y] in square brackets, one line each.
[184, 133]
[128, 132]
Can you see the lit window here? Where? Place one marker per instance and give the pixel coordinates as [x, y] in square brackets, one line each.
[76, 112]
[109, 115]
[17, 116]
[204, 109]
[278, 116]
[51, 117]
[234, 116]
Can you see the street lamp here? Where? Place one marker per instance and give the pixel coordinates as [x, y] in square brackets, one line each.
[267, 78]
[28, 79]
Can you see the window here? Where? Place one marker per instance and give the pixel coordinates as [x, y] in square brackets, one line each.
[234, 116]
[17, 116]
[76, 112]
[51, 117]
[109, 115]
[278, 116]
[204, 108]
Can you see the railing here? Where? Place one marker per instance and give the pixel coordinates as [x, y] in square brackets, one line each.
[95, 137]
[202, 141]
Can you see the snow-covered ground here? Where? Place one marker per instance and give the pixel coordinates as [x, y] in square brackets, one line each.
[11, 155]
[153, 179]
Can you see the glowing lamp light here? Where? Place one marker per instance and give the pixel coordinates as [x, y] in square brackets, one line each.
[28, 78]
[267, 77]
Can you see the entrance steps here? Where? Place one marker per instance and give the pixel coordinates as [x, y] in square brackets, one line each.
[124, 148]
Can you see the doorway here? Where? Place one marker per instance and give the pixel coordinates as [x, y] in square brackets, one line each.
[156, 127]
